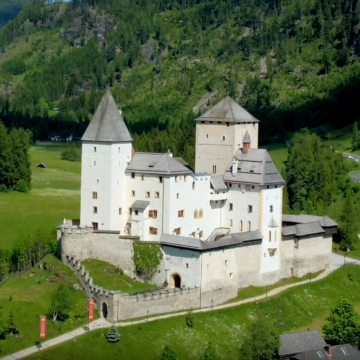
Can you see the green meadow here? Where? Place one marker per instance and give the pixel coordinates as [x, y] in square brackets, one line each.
[302, 307]
[55, 195]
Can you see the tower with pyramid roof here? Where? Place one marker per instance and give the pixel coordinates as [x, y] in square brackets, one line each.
[219, 133]
[106, 152]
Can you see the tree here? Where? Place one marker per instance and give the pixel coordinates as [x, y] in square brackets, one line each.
[3, 331]
[343, 325]
[168, 354]
[210, 353]
[355, 141]
[260, 341]
[147, 258]
[11, 328]
[113, 335]
[60, 303]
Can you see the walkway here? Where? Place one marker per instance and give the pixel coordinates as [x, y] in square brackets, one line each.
[336, 262]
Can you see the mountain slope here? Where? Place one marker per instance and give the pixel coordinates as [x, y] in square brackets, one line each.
[9, 10]
[292, 63]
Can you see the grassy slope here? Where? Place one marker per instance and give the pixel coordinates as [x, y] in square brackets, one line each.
[55, 195]
[294, 309]
[104, 275]
[30, 294]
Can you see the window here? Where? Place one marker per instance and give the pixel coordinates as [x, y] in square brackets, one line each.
[176, 178]
[269, 236]
[275, 186]
[239, 186]
[231, 275]
[271, 208]
[248, 187]
[230, 207]
[231, 222]
[94, 163]
[196, 214]
[177, 231]
[226, 263]
[207, 136]
[200, 234]
[94, 148]
[193, 185]
[253, 187]
[181, 213]
[157, 194]
[241, 225]
[185, 178]
[230, 184]
[120, 211]
[94, 209]
[147, 194]
[133, 175]
[178, 196]
[152, 231]
[97, 181]
[201, 213]
[119, 150]
[186, 265]
[227, 124]
[136, 212]
[130, 211]
[119, 163]
[268, 187]
[223, 138]
[94, 195]
[95, 226]
[160, 179]
[142, 177]
[249, 208]
[132, 192]
[153, 214]
[249, 226]
[214, 169]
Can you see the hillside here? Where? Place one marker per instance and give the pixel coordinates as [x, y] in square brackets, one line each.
[9, 10]
[292, 63]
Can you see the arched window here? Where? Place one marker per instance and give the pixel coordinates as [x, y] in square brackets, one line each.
[201, 213]
[270, 236]
[196, 214]
[241, 225]
[249, 226]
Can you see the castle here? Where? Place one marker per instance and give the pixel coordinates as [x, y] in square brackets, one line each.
[220, 227]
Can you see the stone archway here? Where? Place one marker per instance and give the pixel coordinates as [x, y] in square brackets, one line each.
[175, 281]
[104, 310]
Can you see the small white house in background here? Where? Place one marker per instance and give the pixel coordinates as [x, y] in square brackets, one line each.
[220, 226]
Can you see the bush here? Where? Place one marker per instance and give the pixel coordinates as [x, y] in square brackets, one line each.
[71, 153]
[113, 335]
[168, 354]
[189, 320]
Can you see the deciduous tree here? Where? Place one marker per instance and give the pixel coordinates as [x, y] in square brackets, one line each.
[60, 303]
[168, 354]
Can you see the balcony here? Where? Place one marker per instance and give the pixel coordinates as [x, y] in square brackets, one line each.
[218, 195]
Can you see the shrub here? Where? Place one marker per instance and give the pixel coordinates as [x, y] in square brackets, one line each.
[71, 153]
[189, 320]
[168, 354]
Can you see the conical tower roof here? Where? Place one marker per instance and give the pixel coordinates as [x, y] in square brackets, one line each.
[227, 110]
[247, 138]
[107, 124]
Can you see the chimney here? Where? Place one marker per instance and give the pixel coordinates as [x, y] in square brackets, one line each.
[234, 166]
[246, 143]
[328, 349]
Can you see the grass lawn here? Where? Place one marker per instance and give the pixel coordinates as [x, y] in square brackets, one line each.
[28, 296]
[252, 291]
[106, 276]
[297, 308]
[55, 195]
[353, 254]
[278, 153]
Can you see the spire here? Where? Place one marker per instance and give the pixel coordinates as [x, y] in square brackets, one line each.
[107, 124]
[246, 139]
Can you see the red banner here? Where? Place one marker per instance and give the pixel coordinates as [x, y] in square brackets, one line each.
[91, 310]
[42, 327]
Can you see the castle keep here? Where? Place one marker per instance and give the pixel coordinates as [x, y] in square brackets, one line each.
[220, 227]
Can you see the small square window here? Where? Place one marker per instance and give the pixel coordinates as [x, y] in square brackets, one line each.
[226, 263]
[230, 207]
[94, 163]
[181, 213]
[186, 265]
[239, 186]
[142, 177]
[95, 210]
[120, 211]
[130, 211]
[160, 179]
[230, 184]
[250, 208]
[94, 148]
[178, 196]
[136, 212]
[94, 195]
[147, 194]
[185, 178]
[223, 138]
[268, 187]
[157, 194]
[119, 150]
[271, 208]
[153, 214]
[133, 175]
[152, 231]
[95, 226]
[97, 181]
[275, 186]
[253, 187]
[132, 192]
[176, 178]
[231, 275]
[177, 231]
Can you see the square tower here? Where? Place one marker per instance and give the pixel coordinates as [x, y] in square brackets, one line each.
[219, 133]
[106, 152]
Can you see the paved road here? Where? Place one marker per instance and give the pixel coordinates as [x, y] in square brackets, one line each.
[336, 262]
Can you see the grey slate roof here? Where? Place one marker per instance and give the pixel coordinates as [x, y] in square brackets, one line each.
[339, 352]
[107, 124]
[247, 138]
[199, 245]
[325, 221]
[295, 343]
[227, 110]
[218, 184]
[140, 205]
[300, 230]
[254, 167]
[273, 223]
[152, 163]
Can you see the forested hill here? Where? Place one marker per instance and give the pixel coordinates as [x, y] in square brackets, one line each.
[9, 10]
[292, 63]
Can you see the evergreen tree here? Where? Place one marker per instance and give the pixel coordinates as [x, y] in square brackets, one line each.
[355, 141]
[11, 328]
[168, 354]
[210, 353]
[113, 335]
